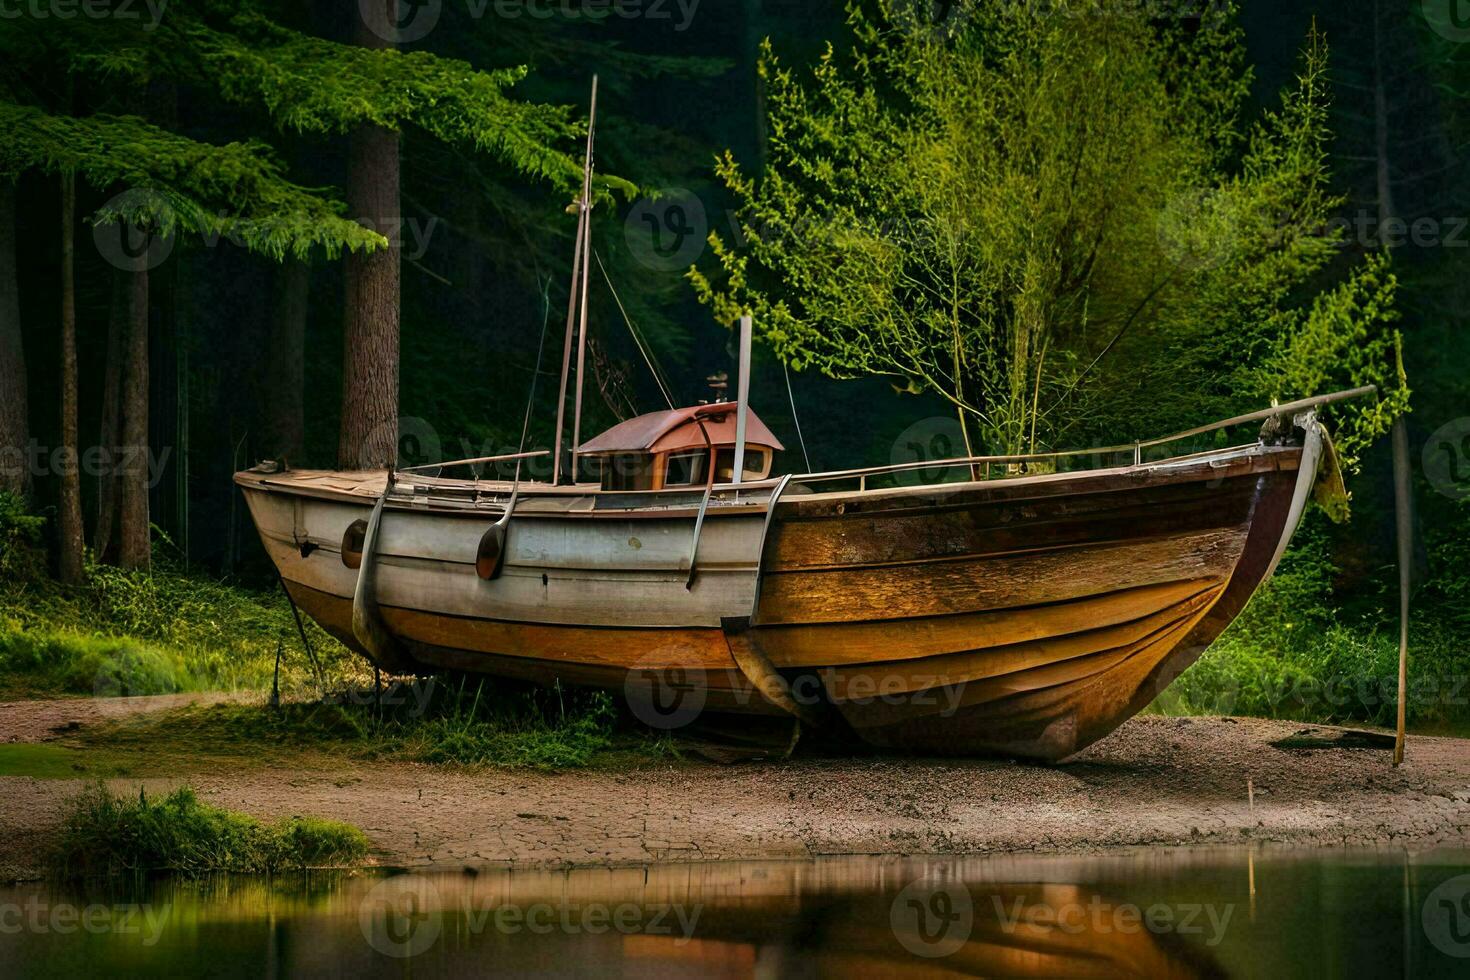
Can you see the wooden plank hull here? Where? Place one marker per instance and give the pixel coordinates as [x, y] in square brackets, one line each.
[1026, 617]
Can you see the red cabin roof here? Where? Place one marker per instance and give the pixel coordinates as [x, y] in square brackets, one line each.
[678, 429]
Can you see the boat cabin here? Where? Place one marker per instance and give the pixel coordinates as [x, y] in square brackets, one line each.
[682, 447]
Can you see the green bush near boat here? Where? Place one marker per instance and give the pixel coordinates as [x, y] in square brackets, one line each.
[1300, 652]
[107, 834]
[160, 632]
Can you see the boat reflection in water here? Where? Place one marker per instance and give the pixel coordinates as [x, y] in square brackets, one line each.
[1169, 913]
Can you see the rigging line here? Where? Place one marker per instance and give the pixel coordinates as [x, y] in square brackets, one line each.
[794, 420]
[647, 358]
[536, 374]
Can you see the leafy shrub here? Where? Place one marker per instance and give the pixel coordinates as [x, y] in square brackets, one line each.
[20, 539]
[1297, 652]
[106, 834]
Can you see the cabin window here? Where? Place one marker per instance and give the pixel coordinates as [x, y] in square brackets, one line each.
[628, 471]
[757, 464]
[686, 469]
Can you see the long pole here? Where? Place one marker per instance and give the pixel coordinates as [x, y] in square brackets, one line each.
[584, 206]
[742, 400]
[1403, 508]
[586, 275]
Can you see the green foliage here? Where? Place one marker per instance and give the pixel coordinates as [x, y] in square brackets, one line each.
[159, 632]
[312, 85]
[236, 191]
[442, 719]
[20, 539]
[1299, 652]
[1045, 221]
[105, 834]
[474, 727]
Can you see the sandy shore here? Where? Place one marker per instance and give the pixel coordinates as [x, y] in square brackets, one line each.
[1154, 781]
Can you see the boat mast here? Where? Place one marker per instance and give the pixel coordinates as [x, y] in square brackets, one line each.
[579, 278]
[742, 399]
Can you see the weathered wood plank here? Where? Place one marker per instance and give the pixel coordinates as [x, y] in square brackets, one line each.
[973, 585]
[836, 644]
[859, 539]
[902, 676]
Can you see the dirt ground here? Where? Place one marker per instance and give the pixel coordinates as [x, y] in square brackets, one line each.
[1154, 781]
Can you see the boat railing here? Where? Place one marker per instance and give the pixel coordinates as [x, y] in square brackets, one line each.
[504, 458]
[1133, 449]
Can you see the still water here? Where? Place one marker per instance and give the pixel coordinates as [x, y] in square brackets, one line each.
[1158, 913]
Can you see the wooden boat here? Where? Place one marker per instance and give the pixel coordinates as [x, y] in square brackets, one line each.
[1027, 614]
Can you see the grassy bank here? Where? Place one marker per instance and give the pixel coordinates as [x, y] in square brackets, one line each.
[1300, 652]
[106, 834]
[169, 630]
[440, 720]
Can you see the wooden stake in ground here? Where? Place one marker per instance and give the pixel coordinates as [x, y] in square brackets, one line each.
[1402, 508]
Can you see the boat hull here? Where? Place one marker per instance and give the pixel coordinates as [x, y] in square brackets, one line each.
[1025, 617]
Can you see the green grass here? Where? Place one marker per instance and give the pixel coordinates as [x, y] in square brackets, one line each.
[1299, 653]
[52, 760]
[106, 834]
[470, 722]
[169, 630]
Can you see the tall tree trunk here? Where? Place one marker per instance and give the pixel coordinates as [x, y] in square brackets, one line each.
[104, 544]
[133, 550]
[15, 429]
[284, 390]
[369, 434]
[69, 511]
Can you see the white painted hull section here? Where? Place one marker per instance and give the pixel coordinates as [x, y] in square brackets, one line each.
[571, 570]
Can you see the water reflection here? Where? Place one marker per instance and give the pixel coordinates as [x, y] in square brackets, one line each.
[1161, 913]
